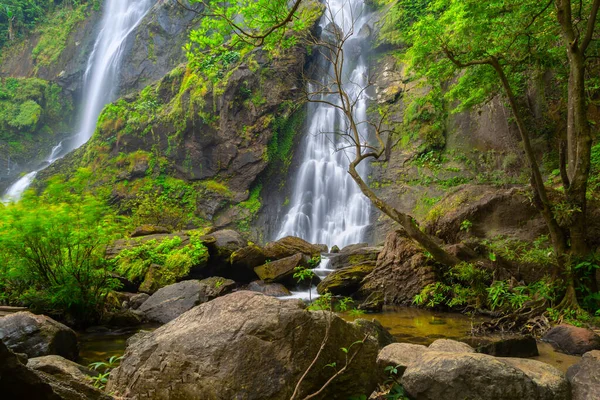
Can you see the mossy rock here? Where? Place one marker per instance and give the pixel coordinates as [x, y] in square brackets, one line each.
[354, 256]
[345, 281]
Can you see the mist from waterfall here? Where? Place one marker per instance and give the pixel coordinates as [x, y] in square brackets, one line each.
[101, 80]
[327, 206]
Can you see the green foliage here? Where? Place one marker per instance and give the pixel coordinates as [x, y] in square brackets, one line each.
[52, 247]
[103, 368]
[466, 225]
[463, 285]
[250, 208]
[52, 19]
[155, 209]
[29, 106]
[234, 28]
[175, 258]
[538, 253]
[302, 274]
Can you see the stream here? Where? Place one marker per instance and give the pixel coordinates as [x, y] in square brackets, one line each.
[406, 324]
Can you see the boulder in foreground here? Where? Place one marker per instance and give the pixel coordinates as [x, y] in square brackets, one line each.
[245, 346]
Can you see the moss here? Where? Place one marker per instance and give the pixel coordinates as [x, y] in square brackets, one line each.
[31, 111]
[216, 187]
[53, 34]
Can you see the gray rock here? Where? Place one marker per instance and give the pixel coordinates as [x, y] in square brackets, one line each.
[243, 262]
[400, 356]
[570, 339]
[375, 329]
[38, 335]
[245, 346]
[57, 365]
[450, 346]
[584, 377]
[171, 301]
[402, 271]
[442, 375]
[136, 301]
[270, 289]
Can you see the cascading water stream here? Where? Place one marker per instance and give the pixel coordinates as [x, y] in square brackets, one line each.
[327, 206]
[101, 79]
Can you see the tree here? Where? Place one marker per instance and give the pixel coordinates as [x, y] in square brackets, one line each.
[471, 46]
[52, 247]
[503, 41]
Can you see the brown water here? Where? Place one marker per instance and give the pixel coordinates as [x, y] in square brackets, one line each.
[413, 325]
[103, 344]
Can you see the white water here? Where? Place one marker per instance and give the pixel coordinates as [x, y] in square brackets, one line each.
[101, 81]
[327, 206]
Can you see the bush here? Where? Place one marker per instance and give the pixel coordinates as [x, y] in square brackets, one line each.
[52, 253]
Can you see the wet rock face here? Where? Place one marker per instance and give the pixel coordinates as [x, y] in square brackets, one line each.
[570, 339]
[402, 271]
[38, 335]
[158, 43]
[245, 346]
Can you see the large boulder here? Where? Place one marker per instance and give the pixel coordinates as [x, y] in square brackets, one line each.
[270, 289]
[402, 272]
[243, 262]
[444, 375]
[585, 377]
[246, 346]
[281, 271]
[570, 339]
[171, 301]
[354, 255]
[289, 246]
[17, 381]
[221, 244]
[345, 281]
[38, 335]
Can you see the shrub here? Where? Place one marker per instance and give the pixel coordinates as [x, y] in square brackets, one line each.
[52, 253]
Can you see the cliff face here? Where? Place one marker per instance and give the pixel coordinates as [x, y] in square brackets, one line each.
[208, 143]
[56, 55]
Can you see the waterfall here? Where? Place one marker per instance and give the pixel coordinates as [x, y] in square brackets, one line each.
[101, 80]
[327, 206]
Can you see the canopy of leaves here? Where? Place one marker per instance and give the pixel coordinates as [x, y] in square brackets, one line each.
[231, 30]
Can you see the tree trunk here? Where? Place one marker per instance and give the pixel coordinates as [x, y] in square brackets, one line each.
[405, 220]
[11, 28]
[579, 139]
